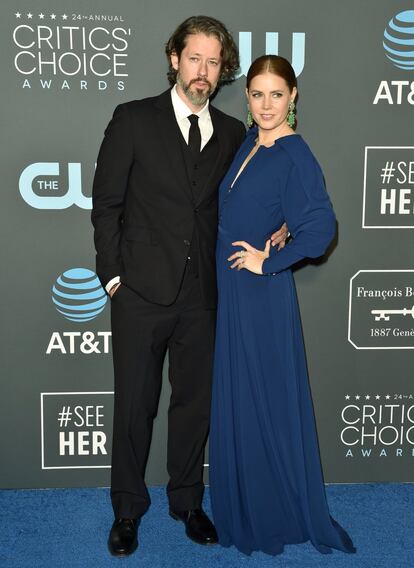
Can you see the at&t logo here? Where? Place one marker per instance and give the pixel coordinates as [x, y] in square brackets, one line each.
[398, 43]
[78, 295]
[399, 40]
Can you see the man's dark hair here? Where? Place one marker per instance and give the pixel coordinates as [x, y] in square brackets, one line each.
[210, 27]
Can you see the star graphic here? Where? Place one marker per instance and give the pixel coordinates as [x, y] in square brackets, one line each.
[377, 396]
[18, 15]
[41, 16]
[30, 15]
[357, 396]
[387, 396]
[367, 396]
[347, 397]
[64, 17]
[53, 16]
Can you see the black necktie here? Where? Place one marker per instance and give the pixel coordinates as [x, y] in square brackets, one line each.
[194, 137]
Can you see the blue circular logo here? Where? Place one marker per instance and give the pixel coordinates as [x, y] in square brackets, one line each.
[399, 40]
[78, 295]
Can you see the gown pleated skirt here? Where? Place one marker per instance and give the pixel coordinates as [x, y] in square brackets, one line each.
[266, 482]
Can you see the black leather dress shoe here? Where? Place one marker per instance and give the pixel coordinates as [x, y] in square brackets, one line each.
[198, 526]
[122, 539]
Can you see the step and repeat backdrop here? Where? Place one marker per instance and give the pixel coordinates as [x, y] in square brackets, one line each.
[64, 67]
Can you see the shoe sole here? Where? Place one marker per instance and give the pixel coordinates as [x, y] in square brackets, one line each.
[202, 542]
[122, 554]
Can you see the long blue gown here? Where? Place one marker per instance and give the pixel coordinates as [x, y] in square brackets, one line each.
[266, 482]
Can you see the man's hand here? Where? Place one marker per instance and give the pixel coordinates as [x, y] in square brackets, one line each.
[250, 258]
[280, 237]
[114, 289]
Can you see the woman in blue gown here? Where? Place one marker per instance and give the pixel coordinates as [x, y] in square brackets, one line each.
[266, 481]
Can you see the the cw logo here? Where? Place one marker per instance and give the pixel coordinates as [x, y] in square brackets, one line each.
[36, 176]
[272, 48]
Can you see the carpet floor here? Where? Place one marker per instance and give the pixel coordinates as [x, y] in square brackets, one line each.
[68, 528]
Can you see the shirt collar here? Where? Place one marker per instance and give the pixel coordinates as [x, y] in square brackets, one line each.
[182, 110]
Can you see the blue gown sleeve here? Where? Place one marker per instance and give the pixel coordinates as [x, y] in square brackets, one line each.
[308, 213]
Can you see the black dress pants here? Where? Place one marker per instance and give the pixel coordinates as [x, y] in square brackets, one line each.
[141, 334]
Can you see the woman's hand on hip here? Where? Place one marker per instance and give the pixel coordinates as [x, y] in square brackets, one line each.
[249, 258]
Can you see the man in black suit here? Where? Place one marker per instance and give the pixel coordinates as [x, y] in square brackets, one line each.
[155, 219]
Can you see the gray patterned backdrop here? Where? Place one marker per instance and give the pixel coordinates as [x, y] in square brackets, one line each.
[64, 68]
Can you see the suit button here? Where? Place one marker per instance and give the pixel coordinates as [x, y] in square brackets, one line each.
[196, 210]
[187, 242]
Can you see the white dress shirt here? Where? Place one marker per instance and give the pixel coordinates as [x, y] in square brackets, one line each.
[182, 111]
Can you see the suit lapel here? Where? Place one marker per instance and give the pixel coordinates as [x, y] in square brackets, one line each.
[170, 135]
[223, 148]
[170, 139]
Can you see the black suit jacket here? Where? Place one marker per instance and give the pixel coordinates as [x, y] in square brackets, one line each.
[143, 209]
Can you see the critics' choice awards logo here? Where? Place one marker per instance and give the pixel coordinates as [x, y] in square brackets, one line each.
[67, 51]
[381, 309]
[398, 43]
[76, 429]
[79, 297]
[388, 188]
[377, 425]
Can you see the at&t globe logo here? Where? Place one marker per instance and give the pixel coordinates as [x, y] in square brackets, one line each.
[399, 40]
[78, 295]
[80, 298]
[398, 43]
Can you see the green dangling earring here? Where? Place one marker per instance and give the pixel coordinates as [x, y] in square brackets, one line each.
[291, 117]
[249, 120]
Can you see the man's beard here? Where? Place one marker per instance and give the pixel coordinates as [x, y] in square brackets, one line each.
[196, 97]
